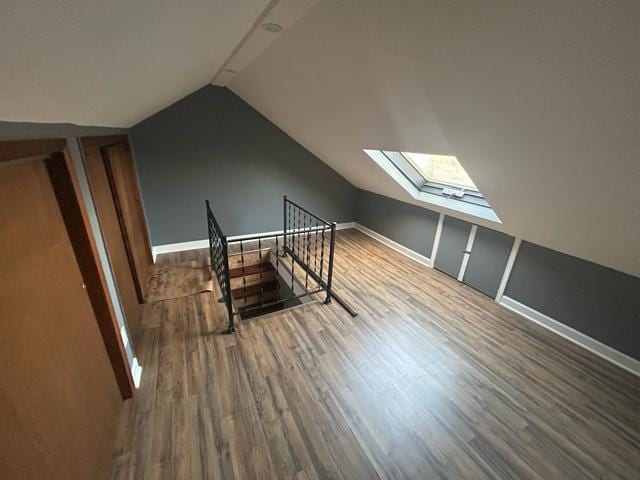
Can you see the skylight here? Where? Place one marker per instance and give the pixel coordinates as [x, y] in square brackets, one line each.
[445, 169]
[435, 179]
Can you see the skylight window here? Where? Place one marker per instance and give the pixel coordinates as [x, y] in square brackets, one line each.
[436, 179]
[445, 169]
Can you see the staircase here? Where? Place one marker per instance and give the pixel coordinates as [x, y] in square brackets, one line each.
[287, 274]
[254, 282]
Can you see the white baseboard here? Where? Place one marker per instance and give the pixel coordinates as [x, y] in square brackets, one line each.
[179, 247]
[136, 372]
[394, 245]
[345, 225]
[197, 244]
[124, 336]
[614, 356]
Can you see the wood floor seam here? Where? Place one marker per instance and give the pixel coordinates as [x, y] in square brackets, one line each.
[431, 380]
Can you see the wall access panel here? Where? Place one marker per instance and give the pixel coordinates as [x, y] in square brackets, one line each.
[488, 260]
[453, 242]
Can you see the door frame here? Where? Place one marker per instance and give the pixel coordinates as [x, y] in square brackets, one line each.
[102, 143]
[467, 252]
[61, 171]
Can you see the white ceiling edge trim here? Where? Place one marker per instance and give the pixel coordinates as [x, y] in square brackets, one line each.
[282, 12]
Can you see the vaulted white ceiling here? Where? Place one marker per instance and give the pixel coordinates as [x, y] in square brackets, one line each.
[112, 62]
[540, 101]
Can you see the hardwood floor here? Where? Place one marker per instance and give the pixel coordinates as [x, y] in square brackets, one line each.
[431, 380]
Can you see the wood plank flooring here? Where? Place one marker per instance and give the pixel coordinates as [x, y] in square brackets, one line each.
[431, 380]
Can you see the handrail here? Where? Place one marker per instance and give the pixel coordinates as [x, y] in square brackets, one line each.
[267, 235]
[304, 238]
[298, 221]
[219, 258]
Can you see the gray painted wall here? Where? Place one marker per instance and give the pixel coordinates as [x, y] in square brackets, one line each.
[212, 145]
[409, 225]
[210, 142]
[20, 131]
[598, 301]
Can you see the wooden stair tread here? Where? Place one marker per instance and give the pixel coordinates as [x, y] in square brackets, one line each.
[261, 311]
[251, 269]
[236, 260]
[254, 289]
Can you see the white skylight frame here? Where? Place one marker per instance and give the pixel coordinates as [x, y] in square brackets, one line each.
[414, 183]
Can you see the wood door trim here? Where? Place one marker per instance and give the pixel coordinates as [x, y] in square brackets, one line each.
[123, 139]
[76, 220]
[21, 149]
[103, 141]
[112, 236]
[123, 227]
[139, 204]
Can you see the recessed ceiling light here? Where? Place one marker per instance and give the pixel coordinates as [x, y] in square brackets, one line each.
[272, 27]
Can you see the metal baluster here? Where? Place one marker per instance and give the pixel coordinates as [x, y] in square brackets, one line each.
[293, 263]
[295, 230]
[277, 256]
[331, 253]
[227, 283]
[284, 225]
[315, 248]
[322, 252]
[210, 236]
[260, 262]
[289, 224]
[308, 243]
[244, 277]
[298, 234]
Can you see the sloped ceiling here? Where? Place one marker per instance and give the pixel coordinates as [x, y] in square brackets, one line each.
[112, 62]
[540, 101]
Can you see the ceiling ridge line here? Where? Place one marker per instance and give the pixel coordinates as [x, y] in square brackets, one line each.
[267, 10]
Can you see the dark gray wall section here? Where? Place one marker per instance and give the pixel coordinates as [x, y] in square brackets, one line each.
[184, 154]
[409, 225]
[212, 145]
[597, 301]
[453, 241]
[488, 260]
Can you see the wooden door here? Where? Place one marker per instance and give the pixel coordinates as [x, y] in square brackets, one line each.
[112, 235]
[124, 185]
[59, 397]
[114, 187]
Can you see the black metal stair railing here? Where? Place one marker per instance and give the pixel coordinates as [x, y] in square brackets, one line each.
[301, 232]
[303, 255]
[218, 255]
